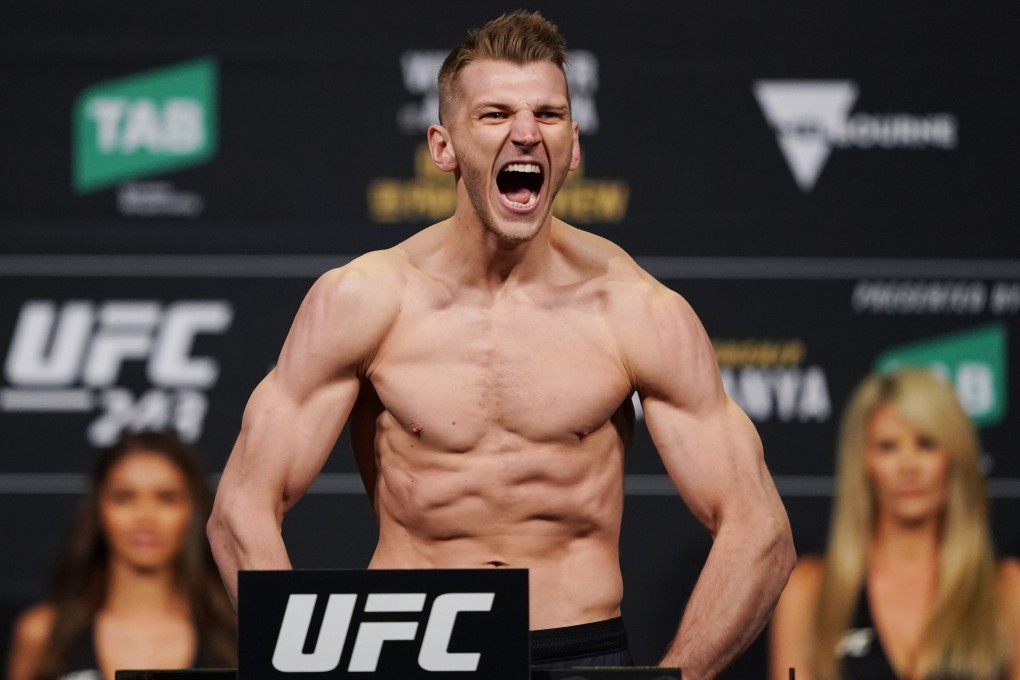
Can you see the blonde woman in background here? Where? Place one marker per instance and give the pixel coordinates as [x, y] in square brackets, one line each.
[909, 587]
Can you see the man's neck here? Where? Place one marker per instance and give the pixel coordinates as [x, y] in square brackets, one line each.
[481, 258]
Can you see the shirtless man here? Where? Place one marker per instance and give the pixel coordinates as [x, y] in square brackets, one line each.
[486, 365]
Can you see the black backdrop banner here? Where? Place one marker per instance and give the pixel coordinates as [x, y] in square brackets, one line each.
[832, 187]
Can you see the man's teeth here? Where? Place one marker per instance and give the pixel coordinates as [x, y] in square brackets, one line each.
[523, 167]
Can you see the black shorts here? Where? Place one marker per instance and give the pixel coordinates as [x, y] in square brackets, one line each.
[603, 643]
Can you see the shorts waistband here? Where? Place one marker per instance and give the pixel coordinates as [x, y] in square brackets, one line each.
[585, 639]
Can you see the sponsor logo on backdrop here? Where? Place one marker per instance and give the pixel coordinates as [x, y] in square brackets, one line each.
[145, 125]
[68, 357]
[770, 380]
[813, 117]
[974, 360]
[430, 194]
[950, 298]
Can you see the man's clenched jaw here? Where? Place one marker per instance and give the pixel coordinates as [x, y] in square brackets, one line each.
[514, 143]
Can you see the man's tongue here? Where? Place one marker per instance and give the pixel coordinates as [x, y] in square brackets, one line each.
[518, 195]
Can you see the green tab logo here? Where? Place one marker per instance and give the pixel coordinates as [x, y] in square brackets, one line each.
[975, 360]
[145, 124]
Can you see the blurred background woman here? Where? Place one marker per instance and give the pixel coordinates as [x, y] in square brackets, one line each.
[136, 586]
[909, 587]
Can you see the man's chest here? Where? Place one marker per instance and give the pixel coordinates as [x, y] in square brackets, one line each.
[545, 374]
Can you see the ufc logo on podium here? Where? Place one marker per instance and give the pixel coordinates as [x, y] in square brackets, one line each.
[368, 644]
[408, 624]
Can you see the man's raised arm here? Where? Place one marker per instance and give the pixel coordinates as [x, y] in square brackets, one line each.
[714, 457]
[295, 415]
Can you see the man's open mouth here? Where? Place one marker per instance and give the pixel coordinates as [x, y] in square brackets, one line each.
[519, 184]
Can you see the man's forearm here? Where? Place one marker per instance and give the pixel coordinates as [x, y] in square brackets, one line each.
[743, 577]
[241, 544]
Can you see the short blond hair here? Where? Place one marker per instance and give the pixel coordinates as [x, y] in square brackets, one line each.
[518, 37]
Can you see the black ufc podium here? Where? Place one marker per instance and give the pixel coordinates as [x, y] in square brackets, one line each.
[420, 624]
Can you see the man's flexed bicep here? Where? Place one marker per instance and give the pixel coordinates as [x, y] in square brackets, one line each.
[704, 439]
[294, 417]
[713, 454]
[714, 458]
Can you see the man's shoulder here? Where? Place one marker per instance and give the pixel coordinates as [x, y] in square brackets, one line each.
[612, 264]
[376, 265]
[635, 301]
[375, 274]
[369, 288]
[346, 314]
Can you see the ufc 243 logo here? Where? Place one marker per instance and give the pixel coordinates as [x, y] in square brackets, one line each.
[433, 655]
[69, 357]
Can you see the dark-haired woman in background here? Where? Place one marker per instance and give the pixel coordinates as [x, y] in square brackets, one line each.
[136, 586]
[909, 587]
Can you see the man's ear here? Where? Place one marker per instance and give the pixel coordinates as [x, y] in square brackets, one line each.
[441, 148]
[575, 147]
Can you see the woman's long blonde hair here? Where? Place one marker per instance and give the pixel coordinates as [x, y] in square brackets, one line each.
[965, 635]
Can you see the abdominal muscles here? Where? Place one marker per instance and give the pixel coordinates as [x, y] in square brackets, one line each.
[552, 508]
